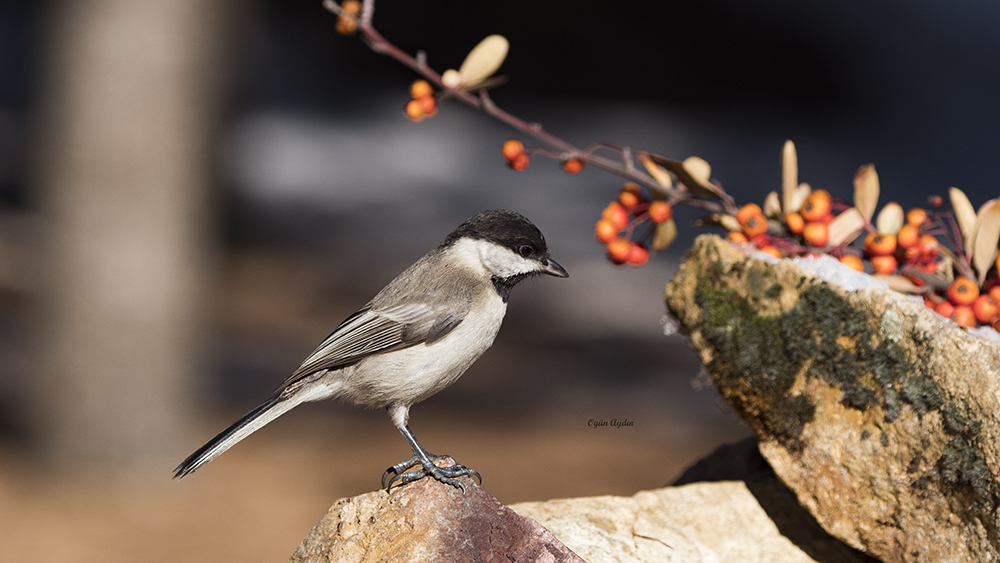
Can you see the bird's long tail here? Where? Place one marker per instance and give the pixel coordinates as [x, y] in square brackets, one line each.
[248, 424]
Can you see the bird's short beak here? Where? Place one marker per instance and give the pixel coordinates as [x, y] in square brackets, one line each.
[552, 268]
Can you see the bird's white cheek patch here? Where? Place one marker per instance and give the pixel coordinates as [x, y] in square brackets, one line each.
[496, 260]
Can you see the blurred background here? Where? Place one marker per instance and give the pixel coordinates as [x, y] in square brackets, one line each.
[193, 194]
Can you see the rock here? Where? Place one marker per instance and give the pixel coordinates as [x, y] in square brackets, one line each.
[429, 521]
[879, 415]
[701, 522]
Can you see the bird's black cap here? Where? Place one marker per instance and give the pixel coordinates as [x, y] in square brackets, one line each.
[505, 228]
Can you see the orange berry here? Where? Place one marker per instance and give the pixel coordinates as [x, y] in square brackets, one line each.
[994, 292]
[963, 316]
[346, 26]
[755, 225]
[916, 216]
[817, 206]
[853, 262]
[985, 309]
[421, 89]
[573, 165]
[816, 234]
[737, 236]
[605, 231]
[660, 211]
[428, 104]
[963, 291]
[772, 250]
[885, 264]
[928, 248]
[512, 148]
[616, 213]
[520, 162]
[630, 195]
[637, 255]
[945, 309]
[796, 224]
[747, 211]
[878, 244]
[415, 110]
[619, 250]
[908, 236]
[352, 7]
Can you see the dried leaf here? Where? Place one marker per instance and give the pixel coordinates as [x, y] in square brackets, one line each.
[483, 60]
[970, 241]
[696, 186]
[658, 173]
[987, 236]
[665, 234]
[965, 214]
[451, 78]
[728, 221]
[698, 168]
[890, 219]
[902, 283]
[772, 206]
[866, 191]
[789, 176]
[799, 197]
[845, 227]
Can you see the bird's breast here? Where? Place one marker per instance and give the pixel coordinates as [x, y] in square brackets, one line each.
[413, 374]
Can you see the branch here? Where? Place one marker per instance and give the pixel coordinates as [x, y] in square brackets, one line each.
[564, 150]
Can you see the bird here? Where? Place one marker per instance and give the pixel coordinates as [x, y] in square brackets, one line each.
[417, 336]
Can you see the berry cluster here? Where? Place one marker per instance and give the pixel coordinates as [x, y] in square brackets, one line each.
[513, 151]
[423, 104]
[517, 157]
[348, 24]
[617, 227]
[935, 253]
[965, 305]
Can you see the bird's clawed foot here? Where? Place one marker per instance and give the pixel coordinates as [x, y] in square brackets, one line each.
[401, 475]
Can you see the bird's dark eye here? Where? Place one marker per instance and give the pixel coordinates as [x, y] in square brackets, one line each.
[525, 250]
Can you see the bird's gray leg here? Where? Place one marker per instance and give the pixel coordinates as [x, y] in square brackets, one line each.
[427, 467]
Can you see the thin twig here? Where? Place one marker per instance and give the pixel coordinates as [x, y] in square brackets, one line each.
[484, 103]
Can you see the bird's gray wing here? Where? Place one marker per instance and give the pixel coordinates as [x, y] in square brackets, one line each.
[375, 331]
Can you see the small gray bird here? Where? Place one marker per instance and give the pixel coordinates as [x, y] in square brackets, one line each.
[416, 337]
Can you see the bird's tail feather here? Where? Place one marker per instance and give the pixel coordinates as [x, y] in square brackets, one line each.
[248, 424]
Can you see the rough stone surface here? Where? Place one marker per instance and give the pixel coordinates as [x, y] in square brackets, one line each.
[696, 523]
[428, 521]
[882, 417]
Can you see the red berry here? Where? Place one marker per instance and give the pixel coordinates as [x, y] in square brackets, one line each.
[421, 89]
[415, 110]
[630, 195]
[963, 291]
[520, 162]
[512, 148]
[747, 211]
[616, 213]
[637, 255]
[985, 309]
[573, 165]
[816, 234]
[619, 250]
[660, 211]
[606, 231]
[755, 224]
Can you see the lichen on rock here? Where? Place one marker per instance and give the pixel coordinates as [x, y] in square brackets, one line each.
[880, 415]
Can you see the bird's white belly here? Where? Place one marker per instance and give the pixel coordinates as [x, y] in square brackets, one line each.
[413, 374]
